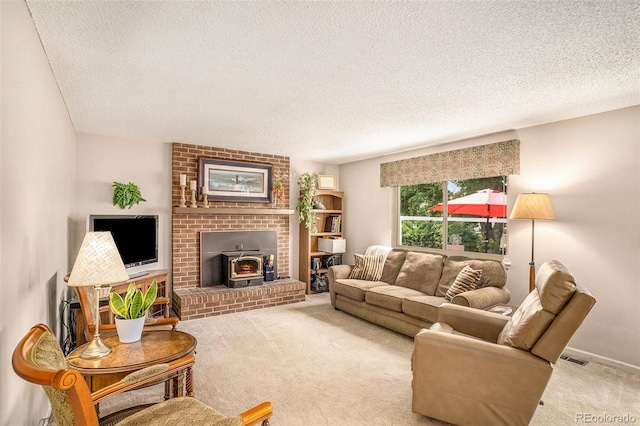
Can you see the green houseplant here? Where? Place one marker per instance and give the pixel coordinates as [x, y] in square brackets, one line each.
[130, 311]
[308, 183]
[126, 194]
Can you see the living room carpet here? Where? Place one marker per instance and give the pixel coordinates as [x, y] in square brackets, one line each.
[319, 366]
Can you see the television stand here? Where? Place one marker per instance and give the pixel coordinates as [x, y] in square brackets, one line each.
[138, 274]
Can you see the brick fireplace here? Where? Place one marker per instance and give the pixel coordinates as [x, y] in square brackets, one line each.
[190, 299]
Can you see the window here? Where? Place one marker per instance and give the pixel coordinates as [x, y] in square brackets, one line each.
[473, 217]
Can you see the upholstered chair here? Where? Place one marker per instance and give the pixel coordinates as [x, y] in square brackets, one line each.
[38, 359]
[474, 367]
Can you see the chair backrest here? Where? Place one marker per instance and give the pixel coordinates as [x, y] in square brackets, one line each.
[38, 359]
[549, 316]
[566, 323]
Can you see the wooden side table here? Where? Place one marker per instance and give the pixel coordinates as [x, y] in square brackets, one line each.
[155, 347]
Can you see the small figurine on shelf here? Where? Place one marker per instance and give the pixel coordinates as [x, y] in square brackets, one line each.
[318, 205]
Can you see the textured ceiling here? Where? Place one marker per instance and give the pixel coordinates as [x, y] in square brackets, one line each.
[336, 81]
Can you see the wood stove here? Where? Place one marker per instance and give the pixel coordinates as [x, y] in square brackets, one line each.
[241, 269]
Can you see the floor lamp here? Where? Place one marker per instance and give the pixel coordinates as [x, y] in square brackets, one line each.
[533, 206]
[98, 264]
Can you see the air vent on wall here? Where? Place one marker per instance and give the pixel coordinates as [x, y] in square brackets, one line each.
[574, 360]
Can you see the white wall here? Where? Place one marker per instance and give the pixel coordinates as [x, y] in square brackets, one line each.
[105, 159]
[591, 168]
[37, 177]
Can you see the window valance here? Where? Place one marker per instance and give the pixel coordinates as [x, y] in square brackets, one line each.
[502, 158]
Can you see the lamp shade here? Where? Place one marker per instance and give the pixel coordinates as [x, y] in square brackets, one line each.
[533, 206]
[98, 262]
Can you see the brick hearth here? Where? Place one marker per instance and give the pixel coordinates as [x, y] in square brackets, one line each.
[201, 302]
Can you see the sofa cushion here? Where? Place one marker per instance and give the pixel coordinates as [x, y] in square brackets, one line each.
[555, 285]
[421, 271]
[355, 289]
[527, 324]
[389, 296]
[367, 267]
[392, 266]
[423, 307]
[467, 280]
[493, 272]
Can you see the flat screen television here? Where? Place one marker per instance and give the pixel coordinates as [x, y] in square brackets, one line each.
[135, 236]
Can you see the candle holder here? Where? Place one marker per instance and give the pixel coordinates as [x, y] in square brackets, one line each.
[193, 199]
[183, 199]
[205, 201]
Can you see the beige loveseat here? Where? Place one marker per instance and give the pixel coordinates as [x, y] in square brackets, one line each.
[412, 287]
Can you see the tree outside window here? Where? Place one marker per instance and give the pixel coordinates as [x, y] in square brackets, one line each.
[422, 227]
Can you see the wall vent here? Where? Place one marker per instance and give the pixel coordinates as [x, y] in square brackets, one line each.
[574, 360]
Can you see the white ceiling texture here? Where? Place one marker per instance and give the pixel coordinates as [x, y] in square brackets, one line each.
[336, 81]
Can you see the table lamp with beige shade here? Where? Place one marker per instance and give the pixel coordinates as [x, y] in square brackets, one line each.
[534, 206]
[98, 264]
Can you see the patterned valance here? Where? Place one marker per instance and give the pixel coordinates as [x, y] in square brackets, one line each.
[497, 159]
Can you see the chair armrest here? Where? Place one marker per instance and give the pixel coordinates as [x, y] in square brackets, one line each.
[257, 414]
[445, 365]
[474, 322]
[155, 322]
[483, 298]
[142, 377]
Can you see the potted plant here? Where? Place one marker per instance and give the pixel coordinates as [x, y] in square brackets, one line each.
[278, 188]
[126, 194]
[130, 311]
[308, 183]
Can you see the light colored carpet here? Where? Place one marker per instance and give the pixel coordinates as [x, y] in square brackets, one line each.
[319, 366]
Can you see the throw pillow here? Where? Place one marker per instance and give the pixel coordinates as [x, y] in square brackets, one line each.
[466, 280]
[367, 268]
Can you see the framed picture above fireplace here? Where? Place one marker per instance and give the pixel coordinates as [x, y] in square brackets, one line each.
[234, 180]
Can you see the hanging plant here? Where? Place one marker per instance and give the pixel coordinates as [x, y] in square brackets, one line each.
[308, 183]
[126, 195]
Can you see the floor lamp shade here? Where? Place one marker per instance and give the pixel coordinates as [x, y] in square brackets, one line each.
[533, 206]
[98, 264]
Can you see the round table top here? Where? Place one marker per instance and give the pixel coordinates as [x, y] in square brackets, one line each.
[155, 347]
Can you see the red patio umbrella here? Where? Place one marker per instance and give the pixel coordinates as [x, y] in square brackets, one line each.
[484, 203]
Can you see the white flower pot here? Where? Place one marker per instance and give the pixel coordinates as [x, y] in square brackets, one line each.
[129, 330]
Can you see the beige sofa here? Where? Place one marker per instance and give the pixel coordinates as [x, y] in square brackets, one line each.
[412, 287]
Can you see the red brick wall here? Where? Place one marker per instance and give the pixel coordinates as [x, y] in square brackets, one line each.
[186, 227]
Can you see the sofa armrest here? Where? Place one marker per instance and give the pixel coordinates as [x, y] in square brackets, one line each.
[483, 298]
[474, 322]
[337, 272]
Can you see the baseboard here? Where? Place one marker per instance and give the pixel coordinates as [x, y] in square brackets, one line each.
[602, 359]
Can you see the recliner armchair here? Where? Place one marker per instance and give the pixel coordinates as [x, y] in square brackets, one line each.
[475, 367]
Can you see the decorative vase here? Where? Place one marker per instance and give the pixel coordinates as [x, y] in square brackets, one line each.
[278, 197]
[129, 330]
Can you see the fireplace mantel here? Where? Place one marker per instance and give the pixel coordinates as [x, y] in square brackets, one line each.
[232, 210]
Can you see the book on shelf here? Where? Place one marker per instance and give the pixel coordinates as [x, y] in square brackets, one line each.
[333, 223]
